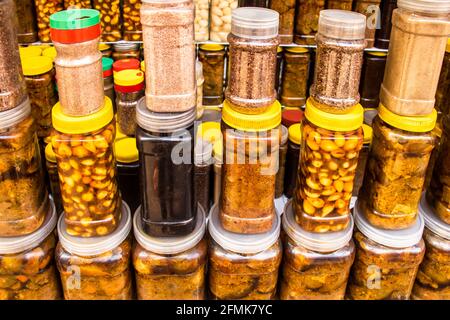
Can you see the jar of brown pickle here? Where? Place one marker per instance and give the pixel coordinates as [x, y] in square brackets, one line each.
[126, 51]
[212, 56]
[27, 29]
[52, 170]
[307, 20]
[286, 10]
[362, 159]
[292, 156]
[294, 84]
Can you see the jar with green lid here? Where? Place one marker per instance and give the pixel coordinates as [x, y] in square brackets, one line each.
[27, 27]
[371, 9]
[294, 84]
[52, 170]
[307, 20]
[126, 51]
[44, 9]
[371, 77]
[292, 156]
[108, 80]
[250, 163]
[200, 79]
[279, 179]
[212, 56]
[329, 156]
[110, 14]
[132, 28]
[362, 159]
[395, 171]
[442, 101]
[286, 9]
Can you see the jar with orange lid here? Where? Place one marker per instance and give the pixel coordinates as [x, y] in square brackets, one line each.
[212, 57]
[292, 156]
[294, 84]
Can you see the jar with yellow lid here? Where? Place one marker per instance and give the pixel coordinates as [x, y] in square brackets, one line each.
[52, 170]
[30, 51]
[110, 15]
[49, 52]
[44, 9]
[294, 84]
[279, 180]
[250, 164]
[328, 159]
[132, 28]
[362, 158]
[292, 156]
[105, 49]
[286, 9]
[395, 172]
[212, 57]
[371, 78]
[442, 100]
[87, 171]
[371, 9]
[201, 22]
[307, 20]
[27, 28]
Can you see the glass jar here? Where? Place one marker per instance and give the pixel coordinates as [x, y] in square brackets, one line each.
[315, 266]
[286, 10]
[166, 144]
[126, 51]
[220, 24]
[52, 170]
[307, 19]
[76, 35]
[340, 48]
[243, 266]
[424, 26]
[328, 161]
[442, 101]
[71, 4]
[87, 171]
[201, 22]
[27, 269]
[212, 57]
[395, 171]
[295, 77]
[96, 268]
[110, 19]
[253, 51]
[132, 28]
[108, 80]
[362, 159]
[371, 78]
[44, 9]
[371, 9]
[23, 200]
[279, 179]
[172, 268]
[383, 34]
[202, 172]
[292, 156]
[200, 80]
[386, 261]
[250, 163]
[27, 30]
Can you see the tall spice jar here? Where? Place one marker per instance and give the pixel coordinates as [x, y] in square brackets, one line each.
[212, 56]
[44, 9]
[306, 20]
[371, 9]
[294, 84]
[286, 10]
[132, 28]
[27, 28]
[371, 78]
[383, 34]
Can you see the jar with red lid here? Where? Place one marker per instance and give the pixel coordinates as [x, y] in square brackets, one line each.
[126, 64]
[290, 117]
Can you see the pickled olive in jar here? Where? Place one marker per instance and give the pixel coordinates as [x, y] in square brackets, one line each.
[340, 4]
[132, 29]
[212, 57]
[295, 77]
[307, 19]
[242, 266]
[279, 179]
[27, 28]
[123, 51]
[286, 9]
[383, 34]
[442, 101]
[292, 156]
[220, 24]
[201, 22]
[371, 78]
[87, 171]
[110, 19]
[395, 171]
[27, 269]
[371, 9]
[53, 177]
[362, 159]
[96, 268]
[71, 4]
[44, 9]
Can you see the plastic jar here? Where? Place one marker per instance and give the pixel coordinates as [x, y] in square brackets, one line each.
[250, 163]
[442, 101]
[24, 200]
[131, 15]
[362, 159]
[110, 19]
[200, 80]
[212, 57]
[27, 28]
[202, 172]
[201, 22]
[96, 268]
[170, 268]
[44, 9]
[166, 143]
[27, 269]
[108, 80]
[395, 172]
[383, 34]
[307, 19]
[87, 171]
[286, 10]
[76, 35]
[126, 64]
[294, 85]
[371, 78]
[386, 261]
[328, 161]
[220, 24]
[169, 54]
[315, 266]
[126, 51]
[292, 156]
[419, 29]
[279, 179]
[52, 170]
[371, 9]
[253, 50]
[243, 266]
[340, 49]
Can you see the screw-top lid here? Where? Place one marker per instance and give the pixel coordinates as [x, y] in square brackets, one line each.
[103, 47]
[73, 19]
[33, 66]
[125, 46]
[30, 51]
[170, 245]
[284, 134]
[107, 63]
[391, 238]
[126, 64]
[423, 123]
[319, 242]
[212, 47]
[377, 53]
[125, 150]
[295, 133]
[427, 6]
[432, 222]
[13, 116]
[342, 24]
[127, 78]
[50, 52]
[12, 245]
[254, 23]
[49, 153]
[368, 133]
[290, 117]
[297, 49]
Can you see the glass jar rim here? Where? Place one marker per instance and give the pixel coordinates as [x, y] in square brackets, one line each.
[125, 46]
[14, 116]
[432, 222]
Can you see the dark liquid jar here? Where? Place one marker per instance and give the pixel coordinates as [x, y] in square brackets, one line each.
[383, 34]
[166, 142]
[292, 156]
[371, 78]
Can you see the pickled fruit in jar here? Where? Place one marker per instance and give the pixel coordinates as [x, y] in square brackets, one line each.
[71, 4]
[27, 28]
[307, 20]
[110, 19]
[212, 57]
[132, 29]
[295, 77]
[44, 9]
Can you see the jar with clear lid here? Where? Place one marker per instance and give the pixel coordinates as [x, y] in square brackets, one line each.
[371, 9]
[328, 160]
[44, 9]
[220, 25]
[27, 28]
[371, 78]
[395, 171]
[212, 57]
[201, 22]
[126, 51]
[425, 27]
[250, 163]
[169, 50]
[52, 170]
[24, 200]
[76, 35]
[295, 77]
[340, 49]
[170, 268]
[27, 268]
[253, 51]
[442, 101]
[362, 159]
[383, 34]
[292, 156]
[386, 261]
[202, 172]
[279, 179]
[96, 268]
[108, 80]
[166, 145]
[200, 79]
[315, 266]
[340, 4]
[286, 10]
[242, 266]
[306, 21]
[87, 171]
[110, 15]
[131, 15]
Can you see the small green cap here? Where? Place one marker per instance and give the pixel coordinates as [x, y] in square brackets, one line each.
[107, 63]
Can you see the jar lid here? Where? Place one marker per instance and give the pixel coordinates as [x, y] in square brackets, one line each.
[76, 35]
[107, 63]
[242, 243]
[129, 77]
[103, 47]
[431, 6]
[126, 64]
[13, 116]
[203, 151]
[33, 66]
[432, 222]
[342, 24]
[319, 242]
[209, 131]
[12, 245]
[295, 133]
[125, 150]
[49, 153]
[377, 53]
[290, 117]
[212, 47]
[94, 246]
[284, 134]
[297, 49]
[30, 51]
[391, 238]
[73, 19]
[368, 133]
[50, 52]
[163, 122]
[270, 119]
[143, 65]
[351, 120]
[412, 123]
[170, 245]
[254, 23]
[84, 124]
[125, 46]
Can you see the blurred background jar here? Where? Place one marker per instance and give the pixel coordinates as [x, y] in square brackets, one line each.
[44, 9]
[126, 51]
[371, 9]
[295, 73]
[106, 50]
[286, 9]
[383, 34]
[253, 3]
[371, 78]
[212, 57]
[201, 22]
[340, 4]
[77, 4]
[220, 24]
[131, 15]
[27, 28]
[110, 19]
[307, 20]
